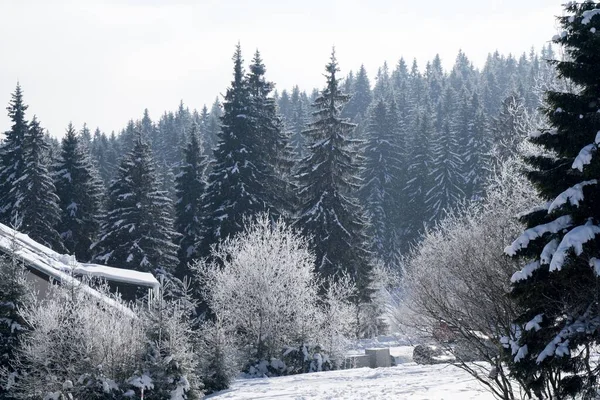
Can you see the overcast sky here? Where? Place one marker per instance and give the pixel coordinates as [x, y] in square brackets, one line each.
[104, 61]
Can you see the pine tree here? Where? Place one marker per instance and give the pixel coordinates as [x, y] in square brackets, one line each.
[11, 156]
[446, 164]
[190, 186]
[137, 231]
[328, 185]
[382, 178]
[271, 151]
[36, 203]
[80, 192]
[417, 174]
[14, 295]
[360, 101]
[234, 186]
[557, 290]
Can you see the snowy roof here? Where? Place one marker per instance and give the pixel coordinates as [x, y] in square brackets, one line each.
[117, 274]
[63, 267]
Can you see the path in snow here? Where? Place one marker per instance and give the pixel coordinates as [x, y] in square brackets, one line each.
[406, 381]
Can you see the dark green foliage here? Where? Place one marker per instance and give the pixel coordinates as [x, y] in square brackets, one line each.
[35, 201]
[329, 181]
[11, 155]
[383, 178]
[560, 291]
[190, 186]
[137, 231]
[270, 144]
[234, 185]
[80, 193]
[14, 295]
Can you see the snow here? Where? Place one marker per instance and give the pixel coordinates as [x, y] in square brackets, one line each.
[535, 323]
[61, 266]
[525, 272]
[572, 195]
[595, 263]
[588, 15]
[548, 251]
[584, 157]
[117, 275]
[521, 353]
[574, 239]
[536, 232]
[406, 381]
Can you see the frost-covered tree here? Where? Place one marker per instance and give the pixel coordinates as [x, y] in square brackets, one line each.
[35, 201]
[466, 295]
[80, 192]
[557, 289]
[261, 284]
[79, 346]
[234, 183]
[190, 185]
[12, 153]
[329, 180]
[137, 231]
[275, 310]
[170, 365]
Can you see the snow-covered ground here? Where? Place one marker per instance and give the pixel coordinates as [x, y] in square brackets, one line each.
[405, 381]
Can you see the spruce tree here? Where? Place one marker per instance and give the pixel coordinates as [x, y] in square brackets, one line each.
[11, 154]
[190, 185]
[360, 101]
[35, 201]
[328, 180]
[271, 151]
[137, 232]
[80, 192]
[382, 178]
[446, 164]
[418, 167]
[557, 290]
[14, 293]
[234, 185]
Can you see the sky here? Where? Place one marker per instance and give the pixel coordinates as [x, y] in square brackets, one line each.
[104, 61]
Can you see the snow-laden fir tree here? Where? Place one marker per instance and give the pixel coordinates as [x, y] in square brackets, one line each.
[80, 192]
[557, 290]
[14, 293]
[11, 153]
[234, 184]
[137, 230]
[356, 107]
[382, 179]
[190, 185]
[271, 151]
[329, 181]
[417, 174]
[35, 204]
[446, 164]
